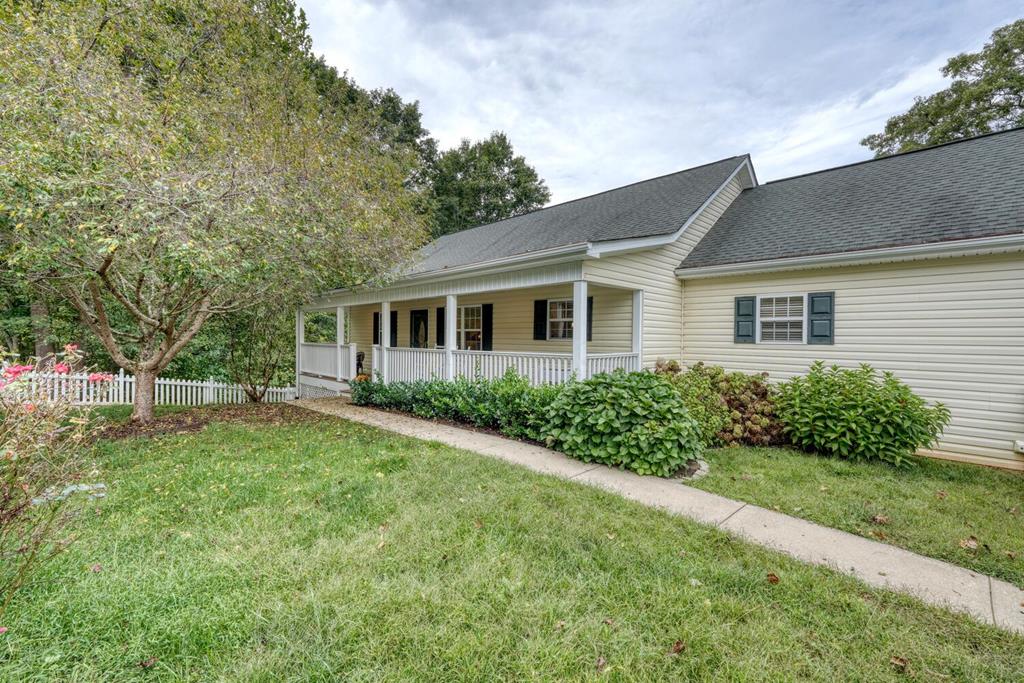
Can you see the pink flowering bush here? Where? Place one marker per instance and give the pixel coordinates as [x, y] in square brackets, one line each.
[42, 446]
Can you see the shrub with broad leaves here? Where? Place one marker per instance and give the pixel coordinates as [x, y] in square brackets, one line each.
[858, 414]
[631, 420]
[701, 395]
[42, 443]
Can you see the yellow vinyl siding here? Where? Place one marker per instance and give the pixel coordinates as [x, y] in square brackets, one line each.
[653, 270]
[513, 320]
[953, 329]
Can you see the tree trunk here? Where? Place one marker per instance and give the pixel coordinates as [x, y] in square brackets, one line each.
[39, 316]
[145, 396]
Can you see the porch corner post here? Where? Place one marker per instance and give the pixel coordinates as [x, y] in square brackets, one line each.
[385, 337]
[339, 340]
[300, 324]
[579, 329]
[451, 310]
[638, 327]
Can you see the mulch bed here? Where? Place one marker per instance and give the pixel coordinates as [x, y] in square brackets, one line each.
[195, 420]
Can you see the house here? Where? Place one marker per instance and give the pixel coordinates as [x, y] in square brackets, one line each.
[913, 263]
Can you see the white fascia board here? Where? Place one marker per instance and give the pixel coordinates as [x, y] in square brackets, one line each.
[599, 249]
[966, 247]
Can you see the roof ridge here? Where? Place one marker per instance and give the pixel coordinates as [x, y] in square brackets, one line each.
[595, 194]
[897, 154]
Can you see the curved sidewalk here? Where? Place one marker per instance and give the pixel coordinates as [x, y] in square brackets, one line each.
[989, 600]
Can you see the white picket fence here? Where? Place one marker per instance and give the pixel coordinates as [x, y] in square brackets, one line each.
[121, 389]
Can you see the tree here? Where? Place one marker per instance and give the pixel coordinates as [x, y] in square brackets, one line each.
[163, 163]
[482, 182]
[986, 95]
[261, 345]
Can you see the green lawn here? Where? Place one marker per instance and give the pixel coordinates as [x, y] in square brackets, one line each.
[929, 508]
[326, 550]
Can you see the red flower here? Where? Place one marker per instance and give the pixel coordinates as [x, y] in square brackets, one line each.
[70, 348]
[30, 407]
[100, 377]
[62, 368]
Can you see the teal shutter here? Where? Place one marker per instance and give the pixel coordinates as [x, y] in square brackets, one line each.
[821, 317]
[744, 319]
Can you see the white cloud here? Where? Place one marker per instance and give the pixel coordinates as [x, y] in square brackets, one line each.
[598, 95]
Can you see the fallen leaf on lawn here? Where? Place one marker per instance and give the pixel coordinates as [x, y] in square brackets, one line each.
[772, 578]
[383, 527]
[899, 663]
[969, 543]
[1014, 510]
[695, 582]
[823, 488]
[879, 534]
[560, 625]
[746, 477]
[96, 568]
[941, 494]
[478, 524]
[880, 519]
[677, 647]
[609, 622]
[1011, 554]
[380, 545]
[611, 537]
[148, 662]
[601, 664]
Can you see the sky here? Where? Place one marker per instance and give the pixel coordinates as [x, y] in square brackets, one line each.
[600, 94]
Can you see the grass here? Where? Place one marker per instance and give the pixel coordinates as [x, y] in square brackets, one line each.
[929, 508]
[326, 550]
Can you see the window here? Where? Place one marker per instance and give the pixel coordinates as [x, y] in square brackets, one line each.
[560, 319]
[780, 319]
[469, 328]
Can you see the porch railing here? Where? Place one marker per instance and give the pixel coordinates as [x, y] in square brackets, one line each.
[607, 362]
[327, 360]
[539, 368]
[409, 365]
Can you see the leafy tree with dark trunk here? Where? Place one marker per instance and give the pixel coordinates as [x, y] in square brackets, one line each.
[482, 182]
[261, 348]
[164, 163]
[986, 95]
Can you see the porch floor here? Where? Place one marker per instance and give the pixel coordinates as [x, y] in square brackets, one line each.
[986, 599]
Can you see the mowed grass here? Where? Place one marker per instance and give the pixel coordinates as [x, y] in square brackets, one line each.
[331, 551]
[937, 508]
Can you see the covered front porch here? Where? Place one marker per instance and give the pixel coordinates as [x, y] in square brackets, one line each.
[471, 334]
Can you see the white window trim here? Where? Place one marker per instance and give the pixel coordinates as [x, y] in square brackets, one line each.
[548, 320]
[757, 319]
[460, 327]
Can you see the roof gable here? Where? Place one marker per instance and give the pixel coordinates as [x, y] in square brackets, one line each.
[655, 207]
[963, 190]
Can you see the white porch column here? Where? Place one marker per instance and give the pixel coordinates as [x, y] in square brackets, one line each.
[385, 337]
[451, 311]
[638, 327]
[300, 323]
[339, 340]
[579, 328]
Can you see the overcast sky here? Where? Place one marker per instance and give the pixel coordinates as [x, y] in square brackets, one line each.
[597, 95]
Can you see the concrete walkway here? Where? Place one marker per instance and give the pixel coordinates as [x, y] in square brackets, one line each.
[988, 600]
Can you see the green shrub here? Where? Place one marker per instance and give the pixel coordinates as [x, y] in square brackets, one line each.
[631, 420]
[700, 395]
[748, 417]
[858, 414]
[508, 404]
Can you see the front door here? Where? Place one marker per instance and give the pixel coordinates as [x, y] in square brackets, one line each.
[418, 329]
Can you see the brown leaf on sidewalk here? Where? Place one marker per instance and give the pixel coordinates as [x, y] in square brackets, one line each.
[772, 578]
[969, 543]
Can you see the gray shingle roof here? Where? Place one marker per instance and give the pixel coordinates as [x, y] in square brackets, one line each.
[967, 189]
[652, 207]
